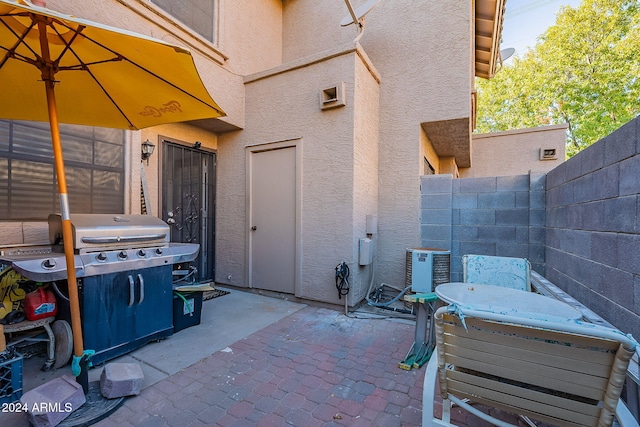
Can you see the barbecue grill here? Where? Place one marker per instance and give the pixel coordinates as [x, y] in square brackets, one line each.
[124, 268]
[105, 244]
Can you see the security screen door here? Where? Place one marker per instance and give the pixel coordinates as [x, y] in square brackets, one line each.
[188, 201]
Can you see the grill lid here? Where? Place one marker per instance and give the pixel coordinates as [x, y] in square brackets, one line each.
[96, 232]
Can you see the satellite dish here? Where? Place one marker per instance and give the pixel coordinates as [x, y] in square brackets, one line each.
[356, 15]
[506, 53]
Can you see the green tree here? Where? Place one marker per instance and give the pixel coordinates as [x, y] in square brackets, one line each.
[583, 71]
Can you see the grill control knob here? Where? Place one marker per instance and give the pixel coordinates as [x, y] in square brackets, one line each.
[142, 253]
[48, 264]
[101, 256]
[122, 255]
[159, 251]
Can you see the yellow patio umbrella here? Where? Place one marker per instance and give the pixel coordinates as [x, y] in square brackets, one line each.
[62, 69]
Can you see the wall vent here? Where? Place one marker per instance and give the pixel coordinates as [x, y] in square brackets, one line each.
[548, 154]
[332, 97]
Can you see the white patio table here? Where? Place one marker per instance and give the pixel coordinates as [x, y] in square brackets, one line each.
[507, 301]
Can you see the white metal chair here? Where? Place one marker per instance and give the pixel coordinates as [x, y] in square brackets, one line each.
[566, 373]
[508, 272]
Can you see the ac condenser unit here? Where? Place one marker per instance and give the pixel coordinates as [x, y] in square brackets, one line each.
[426, 268]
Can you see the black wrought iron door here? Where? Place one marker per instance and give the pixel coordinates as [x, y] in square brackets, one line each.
[188, 202]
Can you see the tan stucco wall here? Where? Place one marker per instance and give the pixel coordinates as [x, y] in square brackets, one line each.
[284, 104]
[236, 51]
[515, 152]
[365, 171]
[251, 34]
[448, 166]
[422, 51]
[309, 27]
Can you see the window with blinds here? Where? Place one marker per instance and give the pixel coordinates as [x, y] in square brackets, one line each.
[94, 164]
[199, 15]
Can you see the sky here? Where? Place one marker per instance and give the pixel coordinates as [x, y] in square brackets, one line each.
[525, 20]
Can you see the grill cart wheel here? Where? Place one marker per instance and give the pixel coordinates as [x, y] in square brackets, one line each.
[64, 342]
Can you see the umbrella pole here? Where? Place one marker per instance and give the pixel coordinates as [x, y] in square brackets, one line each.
[67, 233]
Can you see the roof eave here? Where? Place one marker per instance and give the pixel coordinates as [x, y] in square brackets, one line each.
[489, 15]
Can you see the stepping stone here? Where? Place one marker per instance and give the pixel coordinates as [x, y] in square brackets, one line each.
[50, 403]
[121, 379]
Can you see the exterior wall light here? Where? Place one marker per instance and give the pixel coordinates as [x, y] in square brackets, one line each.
[147, 150]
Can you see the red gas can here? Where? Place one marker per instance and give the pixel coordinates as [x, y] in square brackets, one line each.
[40, 304]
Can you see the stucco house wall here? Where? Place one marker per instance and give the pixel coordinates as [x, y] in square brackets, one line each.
[311, 32]
[309, 27]
[225, 86]
[366, 143]
[516, 151]
[333, 204]
[250, 34]
[427, 38]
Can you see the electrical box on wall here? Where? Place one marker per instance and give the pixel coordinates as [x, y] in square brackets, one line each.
[366, 251]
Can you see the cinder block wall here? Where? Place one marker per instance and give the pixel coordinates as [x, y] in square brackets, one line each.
[501, 216]
[593, 227]
[579, 225]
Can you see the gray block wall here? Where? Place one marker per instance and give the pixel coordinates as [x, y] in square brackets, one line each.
[578, 225]
[501, 216]
[593, 227]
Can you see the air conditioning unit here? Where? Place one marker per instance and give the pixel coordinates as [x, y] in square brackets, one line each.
[426, 268]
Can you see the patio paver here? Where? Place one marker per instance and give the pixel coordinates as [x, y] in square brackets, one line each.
[316, 367]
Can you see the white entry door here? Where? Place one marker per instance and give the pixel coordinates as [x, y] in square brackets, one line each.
[272, 219]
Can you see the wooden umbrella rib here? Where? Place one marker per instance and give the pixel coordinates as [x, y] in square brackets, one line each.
[118, 57]
[108, 95]
[11, 53]
[85, 67]
[67, 44]
[80, 66]
[124, 58]
[54, 66]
